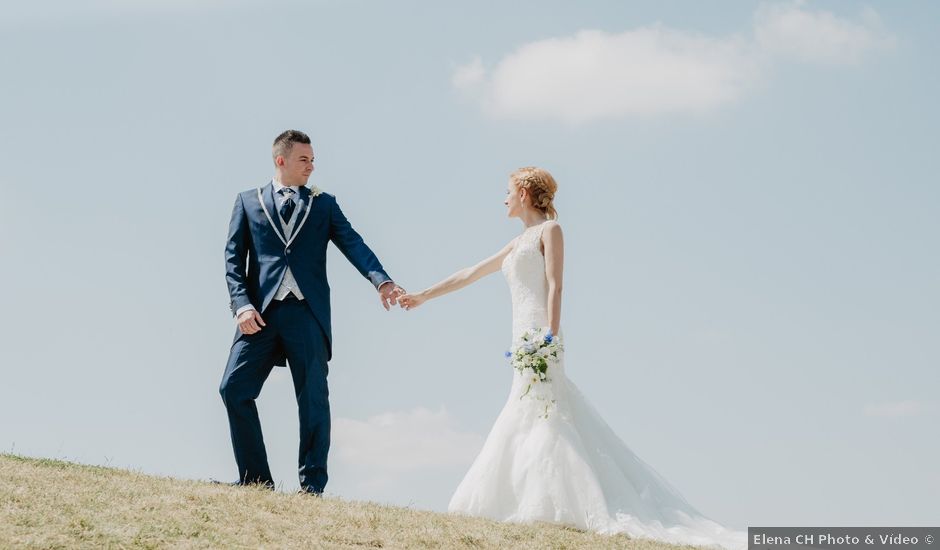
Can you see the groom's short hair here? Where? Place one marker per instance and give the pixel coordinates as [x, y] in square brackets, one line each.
[285, 142]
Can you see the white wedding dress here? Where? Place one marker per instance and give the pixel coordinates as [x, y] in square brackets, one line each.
[551, 457]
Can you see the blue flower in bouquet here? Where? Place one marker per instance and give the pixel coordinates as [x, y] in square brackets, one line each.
[534, 351]
[531, 355]
[508, 354]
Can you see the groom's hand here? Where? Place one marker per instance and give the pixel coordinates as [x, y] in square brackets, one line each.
[250, 322]
[389, 293]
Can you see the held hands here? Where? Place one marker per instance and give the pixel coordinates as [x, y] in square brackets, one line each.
[411, 301]
[389, 295]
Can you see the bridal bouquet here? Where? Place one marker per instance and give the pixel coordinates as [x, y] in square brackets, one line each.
[531, 356]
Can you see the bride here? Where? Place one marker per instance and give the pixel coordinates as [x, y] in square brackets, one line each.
[550, 456]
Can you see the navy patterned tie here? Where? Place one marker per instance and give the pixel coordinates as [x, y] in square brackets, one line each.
[288, 207]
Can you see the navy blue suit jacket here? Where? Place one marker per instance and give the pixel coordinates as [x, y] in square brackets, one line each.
[258, 253]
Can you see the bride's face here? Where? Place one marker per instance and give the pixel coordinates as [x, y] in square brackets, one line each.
[513, 200]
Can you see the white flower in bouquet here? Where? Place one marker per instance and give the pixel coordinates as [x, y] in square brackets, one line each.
[531, 355]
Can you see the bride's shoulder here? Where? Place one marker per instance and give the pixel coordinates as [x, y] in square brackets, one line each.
[551, 237]
[551, 228]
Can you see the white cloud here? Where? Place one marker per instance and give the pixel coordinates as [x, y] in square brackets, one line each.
[401, 442]
[818, 36]
[595, 74]
[656, 70]
[896, 409]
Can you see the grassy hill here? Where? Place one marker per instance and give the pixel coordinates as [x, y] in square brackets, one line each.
[55, 504]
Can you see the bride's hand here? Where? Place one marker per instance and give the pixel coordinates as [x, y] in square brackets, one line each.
[411, 301]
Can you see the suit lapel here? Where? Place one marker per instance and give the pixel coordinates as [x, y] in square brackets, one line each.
[307, 201]
[266, 197]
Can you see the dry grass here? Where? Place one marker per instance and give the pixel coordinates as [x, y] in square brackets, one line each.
[55, 504]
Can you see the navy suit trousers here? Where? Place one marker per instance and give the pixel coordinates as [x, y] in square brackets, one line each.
[291, 329]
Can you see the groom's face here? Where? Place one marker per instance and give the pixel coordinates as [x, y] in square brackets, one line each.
[298, 164]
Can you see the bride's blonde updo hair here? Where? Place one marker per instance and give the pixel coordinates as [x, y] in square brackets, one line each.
[541, 187]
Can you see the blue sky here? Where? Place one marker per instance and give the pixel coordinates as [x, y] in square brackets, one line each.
[749, 194]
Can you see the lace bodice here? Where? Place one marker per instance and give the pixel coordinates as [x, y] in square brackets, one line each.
[524, 269]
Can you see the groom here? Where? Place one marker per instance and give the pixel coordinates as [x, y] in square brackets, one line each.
[275, 267]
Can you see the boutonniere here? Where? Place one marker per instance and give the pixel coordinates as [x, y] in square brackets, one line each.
[315, 191]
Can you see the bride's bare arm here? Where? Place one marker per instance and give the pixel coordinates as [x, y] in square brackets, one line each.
[458, 280]
[554, 244]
